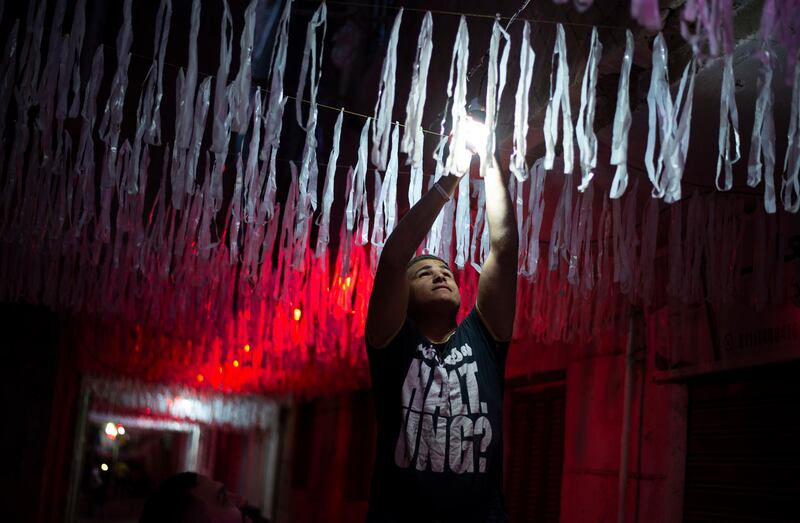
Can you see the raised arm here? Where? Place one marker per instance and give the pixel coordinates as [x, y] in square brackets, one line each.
[497, 287]
[389, 298]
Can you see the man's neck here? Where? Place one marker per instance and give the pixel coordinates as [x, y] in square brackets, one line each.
[434, 327]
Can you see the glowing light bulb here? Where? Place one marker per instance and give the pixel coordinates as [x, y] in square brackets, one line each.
[297, 314]
[247, 347]
[111, 430]
[104, 467]
[120, 430]
[475, 135]
[200, 378]
[235, 363]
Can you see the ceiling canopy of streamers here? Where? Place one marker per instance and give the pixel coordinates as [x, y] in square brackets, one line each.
[204, 188]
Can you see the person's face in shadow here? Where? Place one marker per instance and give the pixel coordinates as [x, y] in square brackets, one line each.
[220, 505]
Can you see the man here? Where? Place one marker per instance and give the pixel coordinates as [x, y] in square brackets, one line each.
[193, 498]
[438, 384]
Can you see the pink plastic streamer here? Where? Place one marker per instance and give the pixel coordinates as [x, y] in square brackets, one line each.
[708, 26]
[780, 23]
[646, 12]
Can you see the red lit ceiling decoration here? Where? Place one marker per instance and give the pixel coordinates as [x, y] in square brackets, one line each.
[172, 277]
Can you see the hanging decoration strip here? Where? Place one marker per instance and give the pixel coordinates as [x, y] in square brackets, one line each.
[307, 182]
[728, 122]
[495, 84]
[412, 144]
[323, 233]
[584, 131]
[708, 27]
[527, 58]
[780, 25]
[622, 123]
[790, 185]
[383, 107]
[671, 121]
[559, 102]
[168, 288]
[762, 141]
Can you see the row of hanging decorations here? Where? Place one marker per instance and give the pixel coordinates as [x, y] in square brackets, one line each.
[168, 297]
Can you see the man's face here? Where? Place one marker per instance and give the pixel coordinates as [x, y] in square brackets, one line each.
[220, 506]
[432, 287]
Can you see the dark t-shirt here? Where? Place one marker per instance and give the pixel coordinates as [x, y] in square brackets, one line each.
[439, 411]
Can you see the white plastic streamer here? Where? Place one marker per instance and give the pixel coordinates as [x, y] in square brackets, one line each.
[71, 67]
[276, 102]
[672, 121]
[49, 82]
[319, 19]
[678, 145]
[152, 134]
[790, 185]
[457, 91]
[84, 163]
[307, 182]
[385, 103]
[496, 82]
[112, 116]
[559, 101]
[186, 93]
[535, 212]
[478, 187]
[561, 226]
[356, 198]
[412, 143]
[728, 122]
[762, 142]
[527, 57]
[272, 183]
[221, 132]
[236, 211]
[240, 88]
[323, 233]
[622, 122]
[201, 106]
[587, 140]
[273, 122]
[659, 106]
[252, 183]
[386, 204]
[462, 222]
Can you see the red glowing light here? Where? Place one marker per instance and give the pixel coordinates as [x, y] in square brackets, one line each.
[200, 378]
[247, 347]
[297, 314]
[235, 363]
[220, 370]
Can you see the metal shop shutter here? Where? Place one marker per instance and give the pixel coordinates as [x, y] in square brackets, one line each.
[743, 447]
[536, 454]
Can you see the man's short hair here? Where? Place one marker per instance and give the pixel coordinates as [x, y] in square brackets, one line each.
[421, 257]
[173, 501]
